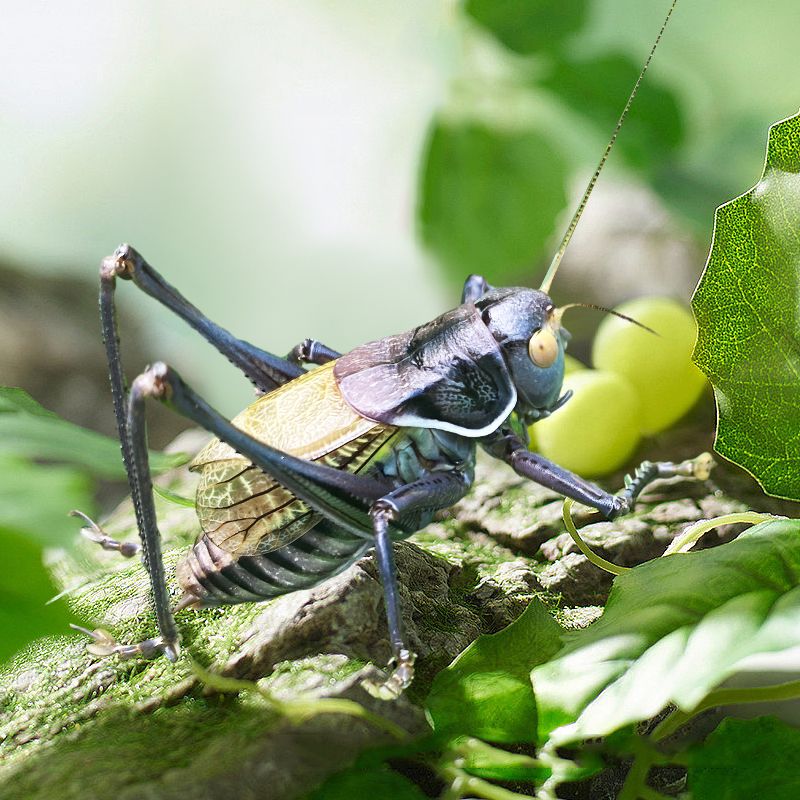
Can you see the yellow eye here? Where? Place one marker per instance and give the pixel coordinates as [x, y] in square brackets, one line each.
[543, 347]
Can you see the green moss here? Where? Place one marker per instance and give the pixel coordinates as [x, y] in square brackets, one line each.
[124, 749]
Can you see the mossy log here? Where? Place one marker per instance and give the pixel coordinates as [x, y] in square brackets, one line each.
[82, 728]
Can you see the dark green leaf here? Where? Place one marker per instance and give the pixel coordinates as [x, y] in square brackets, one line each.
[13, 399]
[379, 782]
[598, 89]
[30, 431]
[528, 26]
[673, 630]
[35, 500]
[489, 199]
[743, 759]
[486, 691]
[748, 316]
[24, 593]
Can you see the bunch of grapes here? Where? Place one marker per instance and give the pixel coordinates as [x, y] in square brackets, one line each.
[642, 383]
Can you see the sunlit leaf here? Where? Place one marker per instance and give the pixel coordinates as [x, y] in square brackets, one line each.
[528, 26]
[673, 630]
[31, 431]
[748, 314]
[486, 691]
[731, 763]
[489, 199]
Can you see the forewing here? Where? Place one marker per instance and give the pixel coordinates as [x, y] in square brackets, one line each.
[243, 509]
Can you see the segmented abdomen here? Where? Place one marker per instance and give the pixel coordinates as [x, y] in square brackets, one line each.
[211, 576]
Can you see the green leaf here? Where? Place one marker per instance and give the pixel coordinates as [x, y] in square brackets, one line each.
[528, 26]
[178, 499]
[673, 630]
[731, 763]
[35, 500]
[486, 691]
[489, 199]
[598, 88]
[746, 306]
[24, 593]
[378, 782]
[31, 431]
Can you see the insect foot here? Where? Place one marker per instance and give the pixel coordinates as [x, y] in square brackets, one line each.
[398, 681]
[648, 471]
[94, 533]
[103, 644]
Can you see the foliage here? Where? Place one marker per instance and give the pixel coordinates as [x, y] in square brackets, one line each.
[494, 178]
[673, 631]
[486, 692]
[749, 329]
[488, 198]
[730, 764]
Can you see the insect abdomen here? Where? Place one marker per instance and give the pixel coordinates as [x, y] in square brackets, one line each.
[211, 576]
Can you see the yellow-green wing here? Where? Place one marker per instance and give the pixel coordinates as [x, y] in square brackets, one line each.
[240, 507]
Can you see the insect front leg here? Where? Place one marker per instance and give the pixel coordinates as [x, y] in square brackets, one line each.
[511, 449]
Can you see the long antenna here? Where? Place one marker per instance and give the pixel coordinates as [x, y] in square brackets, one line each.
[553, 268]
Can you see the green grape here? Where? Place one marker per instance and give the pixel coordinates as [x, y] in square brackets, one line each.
[597, 430]
[659, 367]
[571, 364]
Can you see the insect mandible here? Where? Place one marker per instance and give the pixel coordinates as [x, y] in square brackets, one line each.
[357, 453]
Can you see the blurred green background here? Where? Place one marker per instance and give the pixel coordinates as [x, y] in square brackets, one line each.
[335, 169]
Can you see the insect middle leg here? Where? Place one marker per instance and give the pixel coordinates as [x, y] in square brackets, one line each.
[431, 492]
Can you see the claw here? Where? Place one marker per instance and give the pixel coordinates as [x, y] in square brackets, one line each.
[103, 644]
[94, 533]
[399, 679]
[699, 468]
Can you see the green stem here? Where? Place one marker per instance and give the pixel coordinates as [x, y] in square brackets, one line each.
[548, 757]
[635, 781]
[726, 697]
[462, 783]
[298, 711]
[469, 747]
[686, 540]
[598, 561]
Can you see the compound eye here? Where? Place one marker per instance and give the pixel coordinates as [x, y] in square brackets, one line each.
[543, 347]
